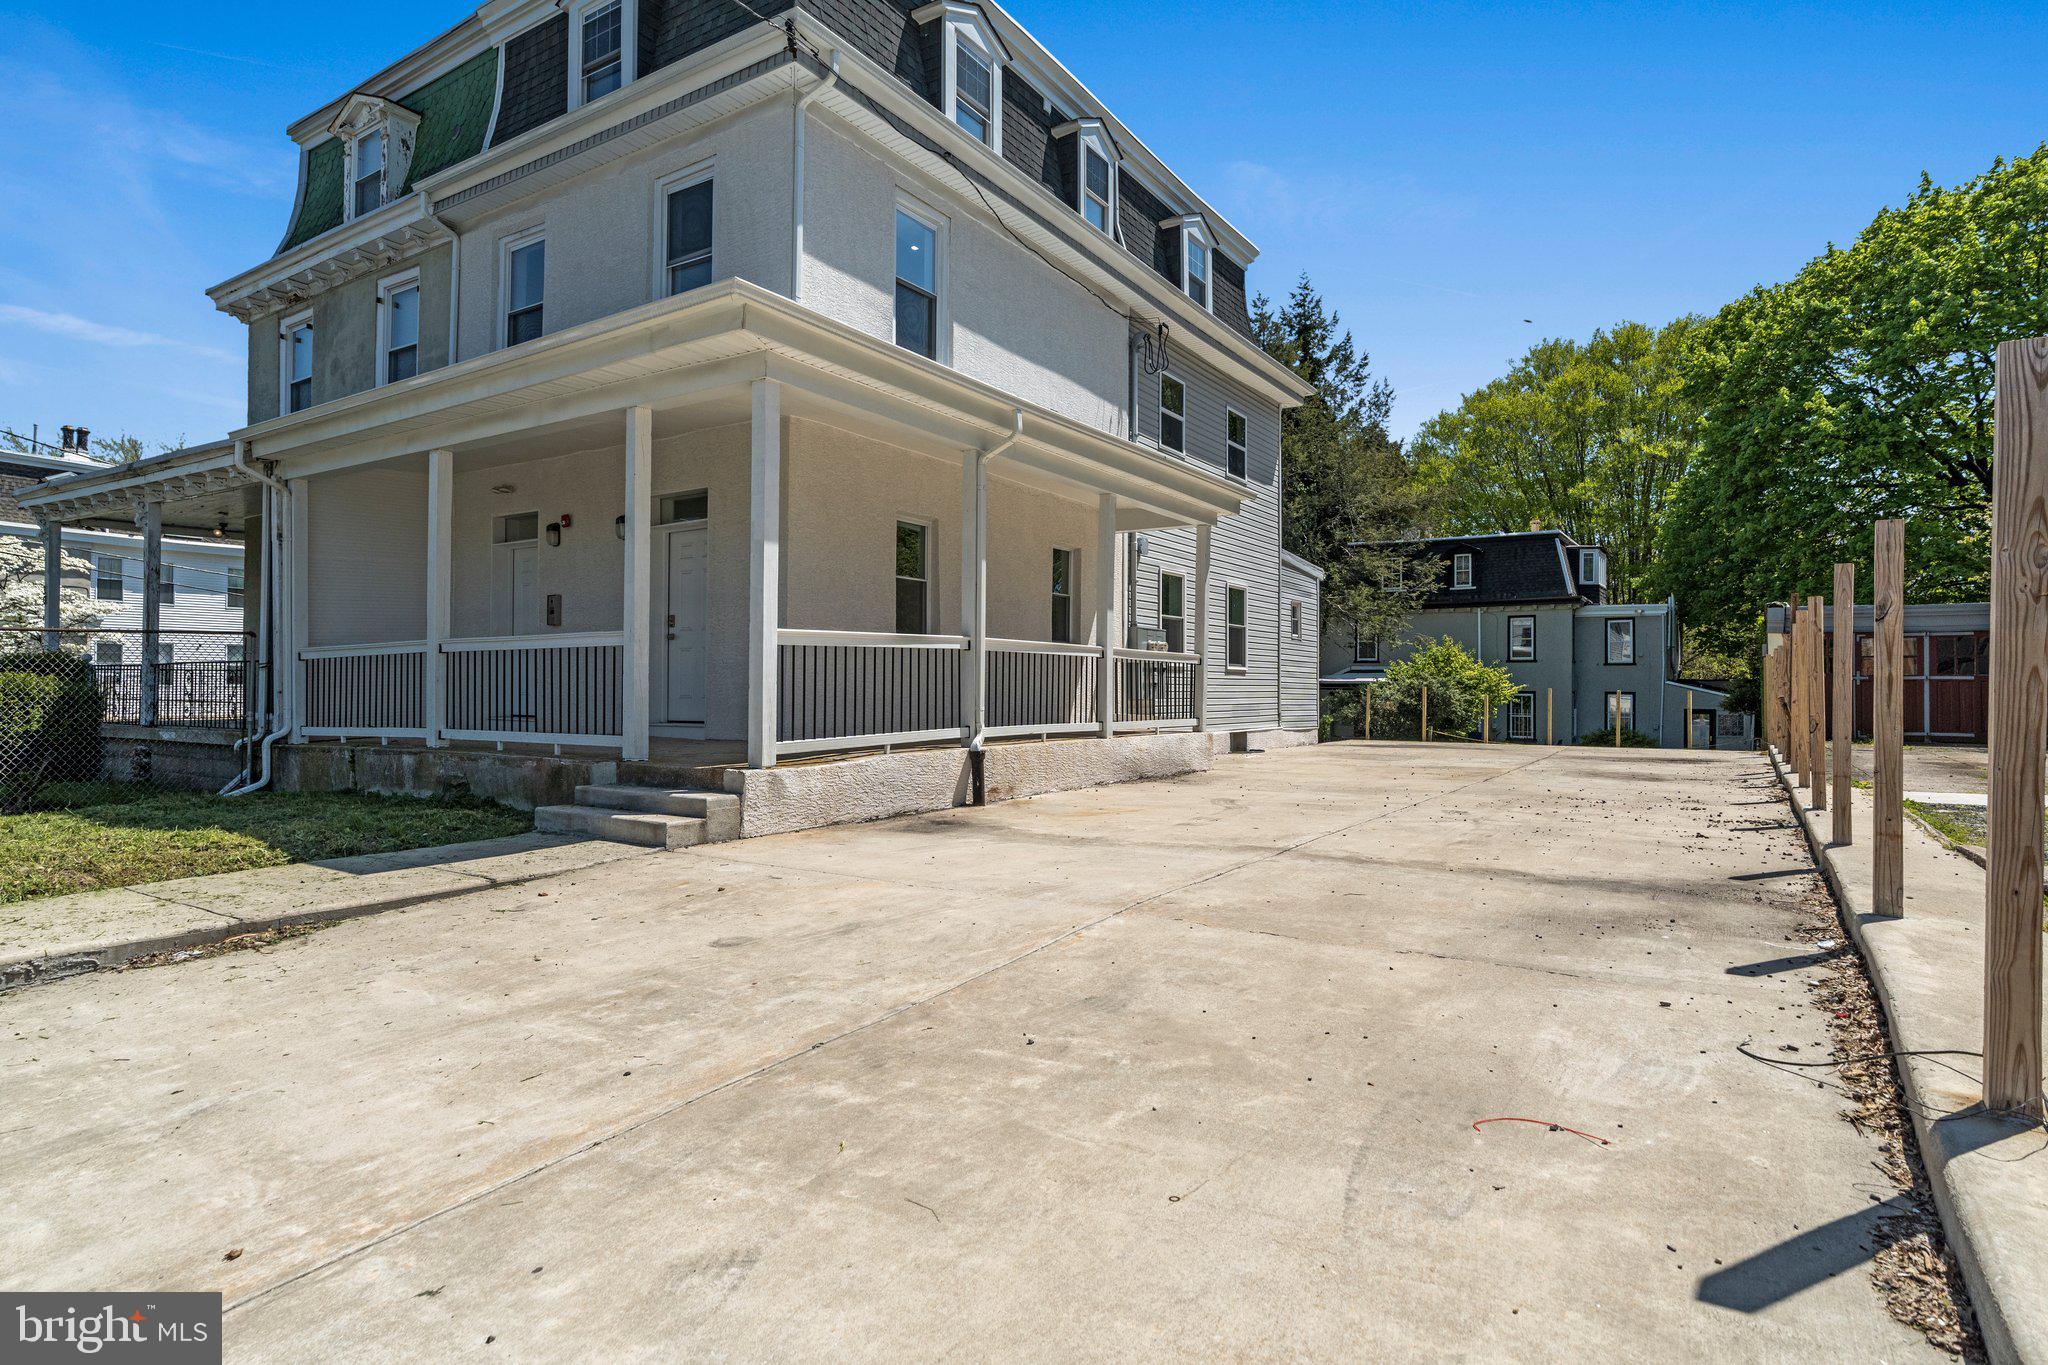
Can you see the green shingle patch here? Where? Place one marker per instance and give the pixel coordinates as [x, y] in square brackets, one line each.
[320, 206]
[455, 113]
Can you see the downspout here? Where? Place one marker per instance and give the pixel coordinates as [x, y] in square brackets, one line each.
[803, 109]
[454, 279]
[277, 499]
[978, 634]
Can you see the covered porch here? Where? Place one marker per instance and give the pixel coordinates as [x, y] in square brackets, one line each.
[724, 521]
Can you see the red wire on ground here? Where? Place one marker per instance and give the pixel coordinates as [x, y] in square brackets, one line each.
[1553, 1127]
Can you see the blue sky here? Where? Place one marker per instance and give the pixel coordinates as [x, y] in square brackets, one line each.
[1443, 172]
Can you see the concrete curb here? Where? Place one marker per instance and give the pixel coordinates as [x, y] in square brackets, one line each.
[30, 969]
[1995, 1241]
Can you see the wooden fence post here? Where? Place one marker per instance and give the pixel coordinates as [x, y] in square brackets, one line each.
[1368, 710]
[2019, 715]
[1617, 718]
[1486, 724]
[1425, 711]
[1845, 695]
[1817, 697]
[1795, 682]
[1888, 717]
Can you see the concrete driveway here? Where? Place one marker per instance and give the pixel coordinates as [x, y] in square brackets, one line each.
[1181, 1068]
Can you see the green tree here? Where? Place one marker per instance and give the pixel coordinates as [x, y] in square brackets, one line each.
[1860, 389]
[1347, 489]
[1461, 690]
[1590, 438]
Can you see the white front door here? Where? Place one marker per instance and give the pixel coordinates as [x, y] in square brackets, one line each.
[515, 603]
[680, 617]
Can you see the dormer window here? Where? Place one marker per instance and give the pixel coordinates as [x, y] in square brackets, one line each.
[1197, 259]
[971, 91]
[369, 172]
[1593, 567]
[377, 140]
[600, 50]
[1094, 173]
[1461, 571]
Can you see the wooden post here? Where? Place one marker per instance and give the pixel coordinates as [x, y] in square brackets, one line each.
[151, 518]
[1617, 718]
[1368, 710]
[1425, 712]
[1817, 697]
[1486, 725]
[1888, 717]
[1795, 695]
[1844, 695]
[1802, 705]
[1769, 692]
[2019, 714]
[1549, 715]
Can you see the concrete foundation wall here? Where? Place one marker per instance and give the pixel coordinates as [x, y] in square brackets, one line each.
[187, 759]
[521, 781]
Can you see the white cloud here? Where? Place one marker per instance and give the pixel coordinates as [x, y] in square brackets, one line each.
[74, 328]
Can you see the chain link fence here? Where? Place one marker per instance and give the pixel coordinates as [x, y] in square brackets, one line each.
[56, 705]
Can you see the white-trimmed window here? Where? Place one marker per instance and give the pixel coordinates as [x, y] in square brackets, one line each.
[686, 225]
[1365, 649]
[913, 578]
[295, 363]
[1197, 261]
[1593, 567]
[108, 583]
[971, 81]
[1628, 710]
[920, 280]
[1173, 612]
[1294, 620]
[522, 287]
[1173, 412]
[366, 169]
[600, 49]
[1094, 173]
[1621, 640]
[1522, 716]
[1461, 570]
[398, 327]
[1236, 438]
[1062, 596]
[1521, 639]
[167, 586]
[1236, 635]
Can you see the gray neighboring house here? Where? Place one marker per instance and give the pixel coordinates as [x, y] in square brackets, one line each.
[1536, 601]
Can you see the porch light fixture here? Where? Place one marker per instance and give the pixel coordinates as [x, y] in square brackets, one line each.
[554, 533]
[619, 525]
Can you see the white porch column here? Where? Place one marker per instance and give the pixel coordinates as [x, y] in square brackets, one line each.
[151, 519]
[764, 582]
[440, 567]
[53, 583]
[974, 593]
[636, 657]
[298, 600]
[1107, 633]
[1202, 533]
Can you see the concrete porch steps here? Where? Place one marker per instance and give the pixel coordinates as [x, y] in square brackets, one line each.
[652, 817]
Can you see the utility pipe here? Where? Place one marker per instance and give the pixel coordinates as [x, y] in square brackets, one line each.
[803, 109]
[977, 634]
[277, 496]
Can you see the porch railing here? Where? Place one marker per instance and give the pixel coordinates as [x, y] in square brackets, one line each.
[1037, 687]
[371, 691]
[1155, 690]
[840, 689]
[554, 689]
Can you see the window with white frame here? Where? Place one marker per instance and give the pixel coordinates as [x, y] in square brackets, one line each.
[237, 590]
[1621, 640]
[686, 222]
[1294, 620]
[1173, 413]
[1094, 173]
[398, 327]
[1236, 436]
[167, 585]
[1593, 567]
[368, 189]
[1522, 716]
[1365, 649]
[917, 282]
[1628, 709]
[600, 54]
[1063, 596]
[1461, 571]
[1173, 616]
[522, 285]
[1521, 639]
[971, 71]
[1236, 636]
[295, 362]
[108, 584]
[913, 578]
[1197, 254]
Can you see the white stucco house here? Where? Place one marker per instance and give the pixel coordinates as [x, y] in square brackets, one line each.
[706, 388]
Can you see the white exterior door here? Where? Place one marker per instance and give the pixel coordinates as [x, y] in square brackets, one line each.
[515, 600]
[680, 624]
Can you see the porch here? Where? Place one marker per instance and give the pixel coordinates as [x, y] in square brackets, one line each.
[759, 554]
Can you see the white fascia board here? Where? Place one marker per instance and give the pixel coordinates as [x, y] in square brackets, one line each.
[1627, 609]
[344, 237]
[1300, 565]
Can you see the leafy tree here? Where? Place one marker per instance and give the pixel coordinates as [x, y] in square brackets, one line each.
[1346, 487]
[1461, 690]
[1860, 389]
[21, 588]
[1590, 438]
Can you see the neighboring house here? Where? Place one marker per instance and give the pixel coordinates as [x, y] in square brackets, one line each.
[1947, 668]
[827, 380]
[1536, 603]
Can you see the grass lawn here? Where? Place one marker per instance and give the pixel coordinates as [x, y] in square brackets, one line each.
[89, 836]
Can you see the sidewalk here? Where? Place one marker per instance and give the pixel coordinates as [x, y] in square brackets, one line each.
[58, 936]
[1990, 1176]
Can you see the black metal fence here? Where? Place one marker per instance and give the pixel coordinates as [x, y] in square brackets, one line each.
[201, 677]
